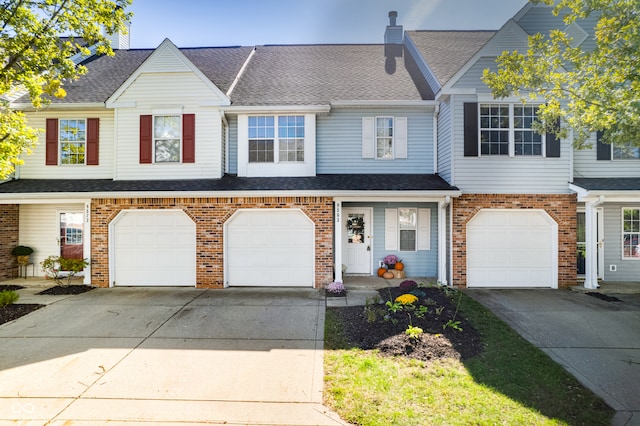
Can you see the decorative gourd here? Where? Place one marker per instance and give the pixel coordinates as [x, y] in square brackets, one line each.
[381, 271]
[399, 266]
[388, 275]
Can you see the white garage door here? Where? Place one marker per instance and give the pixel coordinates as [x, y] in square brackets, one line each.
[512, 248]
[153, 248]
[269, 248]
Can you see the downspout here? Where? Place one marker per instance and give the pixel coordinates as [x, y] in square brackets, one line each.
[591, 245]
[442, 239]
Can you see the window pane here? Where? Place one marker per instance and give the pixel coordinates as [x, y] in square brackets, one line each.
[291, 138]
[261, 151]
[167, 151]
[626, 151]
[407, 218]
[526, 141]
[72, 152]
[407, 240]
[631, 233]
[166, 127]
[384, 134]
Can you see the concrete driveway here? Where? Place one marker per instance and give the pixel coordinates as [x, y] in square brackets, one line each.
[595, 340]
[167, 355]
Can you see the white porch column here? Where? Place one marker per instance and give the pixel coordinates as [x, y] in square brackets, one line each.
[591, 242]
[87, 241]
[337, 246]
[442, 240]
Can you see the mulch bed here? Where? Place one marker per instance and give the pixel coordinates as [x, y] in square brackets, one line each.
[65, 290]
[391, 340]
[10, 287]
[15, 311]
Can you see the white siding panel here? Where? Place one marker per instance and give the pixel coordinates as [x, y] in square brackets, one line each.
[34, 165]
[157, 91]
[165, 61]
[504, 175]
[339, 142]
[40, 229]
[586, 164]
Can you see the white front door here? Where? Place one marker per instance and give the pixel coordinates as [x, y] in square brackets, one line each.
[357, 240]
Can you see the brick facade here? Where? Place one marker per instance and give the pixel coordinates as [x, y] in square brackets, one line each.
[561, 207]
[8, 240]
[209, 215]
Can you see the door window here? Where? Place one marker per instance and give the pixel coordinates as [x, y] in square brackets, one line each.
[355, 228]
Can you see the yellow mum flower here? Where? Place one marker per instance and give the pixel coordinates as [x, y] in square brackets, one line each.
[407, 299]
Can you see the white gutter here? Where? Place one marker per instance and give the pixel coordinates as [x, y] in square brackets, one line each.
[55, 106]
[436, 114]
[351, 195]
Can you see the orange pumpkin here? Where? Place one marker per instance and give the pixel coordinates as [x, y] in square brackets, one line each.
[399, 266]
[381, 271]
[388, 275]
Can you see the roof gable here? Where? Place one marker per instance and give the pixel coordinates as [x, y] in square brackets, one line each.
[167, 58]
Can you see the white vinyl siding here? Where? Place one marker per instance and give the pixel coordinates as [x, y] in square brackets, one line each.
[40, 229]
[340, 142]
[153, 93]
[504, 174]
[34, 165]
[586, 164]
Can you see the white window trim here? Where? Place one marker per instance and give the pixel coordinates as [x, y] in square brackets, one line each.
[512, 131]
[60, 142]
[285, 168]
[153, 137]
[622, 232]
[392, 229]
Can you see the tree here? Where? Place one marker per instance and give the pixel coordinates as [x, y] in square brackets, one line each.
[589, 90]
[38, 39]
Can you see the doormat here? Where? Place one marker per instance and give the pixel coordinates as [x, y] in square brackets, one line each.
[603, 297]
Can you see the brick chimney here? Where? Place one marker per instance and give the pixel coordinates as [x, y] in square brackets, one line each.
[394, 34]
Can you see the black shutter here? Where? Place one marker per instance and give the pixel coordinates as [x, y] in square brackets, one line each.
[553, 142]
[470, 129]
[603, 149]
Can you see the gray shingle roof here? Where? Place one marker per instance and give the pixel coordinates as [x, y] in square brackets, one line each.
[319, 74]
[105, 74]
[608, 184]
[339, 182]
[447, 51]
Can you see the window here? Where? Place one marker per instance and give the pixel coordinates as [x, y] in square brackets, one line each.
[384, 137]
[73, 139]
[407, 225]
[507, 128]
[628, 151]
[166, 138]
[73, 236]
[631, 233]
[263, 140]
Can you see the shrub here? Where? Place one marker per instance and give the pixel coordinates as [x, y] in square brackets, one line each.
[408, 285]
[53, 265]
[335, 287]
[406, 299]
[8, 297]
[21, 251]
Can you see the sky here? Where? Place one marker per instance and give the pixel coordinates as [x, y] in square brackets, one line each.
[194, 23]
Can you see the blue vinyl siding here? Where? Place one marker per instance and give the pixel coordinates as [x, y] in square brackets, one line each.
[339, 142]
[233, 144]
[626, 269]
[421, 263]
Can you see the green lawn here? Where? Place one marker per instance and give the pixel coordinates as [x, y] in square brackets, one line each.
[511, 383]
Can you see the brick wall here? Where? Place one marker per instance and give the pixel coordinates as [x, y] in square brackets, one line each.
[8, 240]
[209, 215]
[561, 207]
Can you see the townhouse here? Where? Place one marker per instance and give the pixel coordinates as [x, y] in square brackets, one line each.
[293, 165]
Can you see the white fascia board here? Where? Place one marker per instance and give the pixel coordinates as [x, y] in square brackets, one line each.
[381, 196]
[458, 91]
[274, 109]
[384, 103]
[485, 51]
[167, 45]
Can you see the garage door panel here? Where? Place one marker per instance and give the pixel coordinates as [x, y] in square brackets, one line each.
[154, 248]
[269, 248]
[511, 248]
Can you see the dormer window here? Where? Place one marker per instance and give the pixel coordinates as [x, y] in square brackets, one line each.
[166, 138]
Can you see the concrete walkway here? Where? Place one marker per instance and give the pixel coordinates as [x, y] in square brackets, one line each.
[166, 355]
[595, 340]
